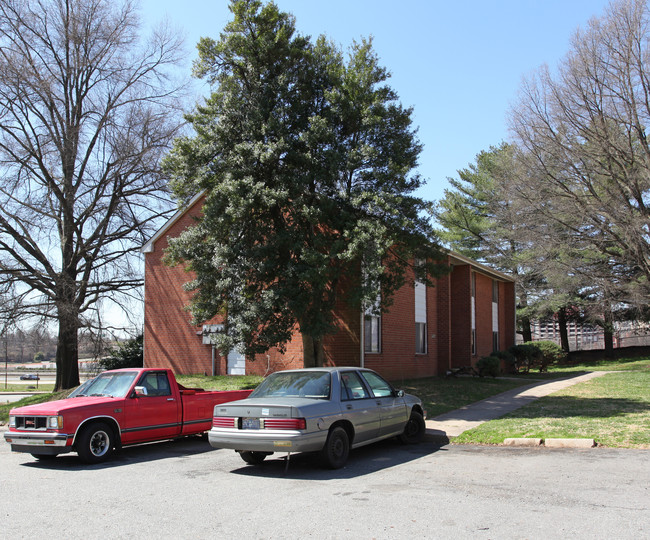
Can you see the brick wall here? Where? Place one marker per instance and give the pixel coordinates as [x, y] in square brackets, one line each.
[483, 316]
[461, 316]
[443, 323]
[506, 315]
[397, 359]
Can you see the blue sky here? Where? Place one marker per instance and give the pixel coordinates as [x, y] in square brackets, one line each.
[458, 64]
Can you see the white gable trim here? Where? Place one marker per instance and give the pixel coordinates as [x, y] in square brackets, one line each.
[149, 246]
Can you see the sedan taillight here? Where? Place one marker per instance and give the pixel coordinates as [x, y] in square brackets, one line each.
[224, 422]
[285, 423]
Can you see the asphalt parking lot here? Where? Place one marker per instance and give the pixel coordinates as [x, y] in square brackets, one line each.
[186, 489]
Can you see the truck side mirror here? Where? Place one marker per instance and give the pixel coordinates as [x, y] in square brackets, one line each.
[140, 391]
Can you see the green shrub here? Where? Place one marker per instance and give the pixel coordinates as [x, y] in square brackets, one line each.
[489, 365]
[125, 355]
[526, 356]
[507, 360]
[551, 351]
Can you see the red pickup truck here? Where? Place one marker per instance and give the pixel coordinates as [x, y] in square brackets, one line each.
[116, 408]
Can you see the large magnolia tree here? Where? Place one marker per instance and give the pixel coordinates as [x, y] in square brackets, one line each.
[86, 110]
[307, 162]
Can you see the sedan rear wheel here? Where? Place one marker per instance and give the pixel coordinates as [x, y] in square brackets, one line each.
[337, 448]
[253, 458]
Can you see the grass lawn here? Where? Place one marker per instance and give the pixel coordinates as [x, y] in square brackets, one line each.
[613, 409]
[440, 395]
[25, 388]
[31, 400]
[220, 382]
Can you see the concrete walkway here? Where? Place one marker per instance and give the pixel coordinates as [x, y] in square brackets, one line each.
[441, 428]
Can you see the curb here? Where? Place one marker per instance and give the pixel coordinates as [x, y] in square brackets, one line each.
[551, 443]
[522, 442]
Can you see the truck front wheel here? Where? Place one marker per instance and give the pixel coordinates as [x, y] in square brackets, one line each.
[95, 443]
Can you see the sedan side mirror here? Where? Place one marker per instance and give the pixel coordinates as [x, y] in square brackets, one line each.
[399, 393]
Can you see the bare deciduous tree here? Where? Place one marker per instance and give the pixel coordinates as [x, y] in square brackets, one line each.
[582, 135]
[86, 111]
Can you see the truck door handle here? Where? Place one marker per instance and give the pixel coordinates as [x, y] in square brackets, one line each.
[171, 399]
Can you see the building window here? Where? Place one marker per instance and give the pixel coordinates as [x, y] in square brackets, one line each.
[495, 341]
[420, 316]
[473, 341]
[495, 292]
[372, 334]
[420, 338]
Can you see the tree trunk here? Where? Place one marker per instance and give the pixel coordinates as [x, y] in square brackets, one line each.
[67, 351]
[526, 332]
[314, 355]
[608, 331]
[564, 332]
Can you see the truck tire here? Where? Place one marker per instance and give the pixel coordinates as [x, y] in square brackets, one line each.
[95, 443]
[337, 448]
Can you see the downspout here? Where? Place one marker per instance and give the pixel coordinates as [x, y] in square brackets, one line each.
[362, 340]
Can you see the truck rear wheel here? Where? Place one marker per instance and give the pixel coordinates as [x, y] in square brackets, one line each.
[95, 443]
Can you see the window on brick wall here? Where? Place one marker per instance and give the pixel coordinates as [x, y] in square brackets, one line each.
[474, 341]
[495, 341]
[372, 333]
[420, 338]
[420, 316]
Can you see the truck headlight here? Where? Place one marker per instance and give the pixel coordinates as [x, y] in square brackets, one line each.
[12, 421]
[55, 422]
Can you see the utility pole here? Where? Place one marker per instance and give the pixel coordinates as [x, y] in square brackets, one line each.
[6, 358]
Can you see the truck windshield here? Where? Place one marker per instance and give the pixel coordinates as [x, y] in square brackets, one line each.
[310, 384]
[108, 384]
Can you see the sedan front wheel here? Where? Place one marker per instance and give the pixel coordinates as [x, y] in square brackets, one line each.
[414, 429]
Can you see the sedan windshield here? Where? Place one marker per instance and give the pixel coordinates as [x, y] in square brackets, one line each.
[108, 384]
[310, 384]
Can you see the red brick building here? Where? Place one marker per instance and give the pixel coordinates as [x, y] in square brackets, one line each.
[469, 313]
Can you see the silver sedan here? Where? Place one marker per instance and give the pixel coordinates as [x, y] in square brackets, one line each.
[326, 410]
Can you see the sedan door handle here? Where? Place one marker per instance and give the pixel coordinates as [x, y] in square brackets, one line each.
[348, 407]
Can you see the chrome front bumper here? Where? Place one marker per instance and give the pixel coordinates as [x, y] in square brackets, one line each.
[38, 443]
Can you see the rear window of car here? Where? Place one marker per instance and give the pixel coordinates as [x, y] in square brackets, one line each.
[308, 384]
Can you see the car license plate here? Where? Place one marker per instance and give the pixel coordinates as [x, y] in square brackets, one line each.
[250, 423]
